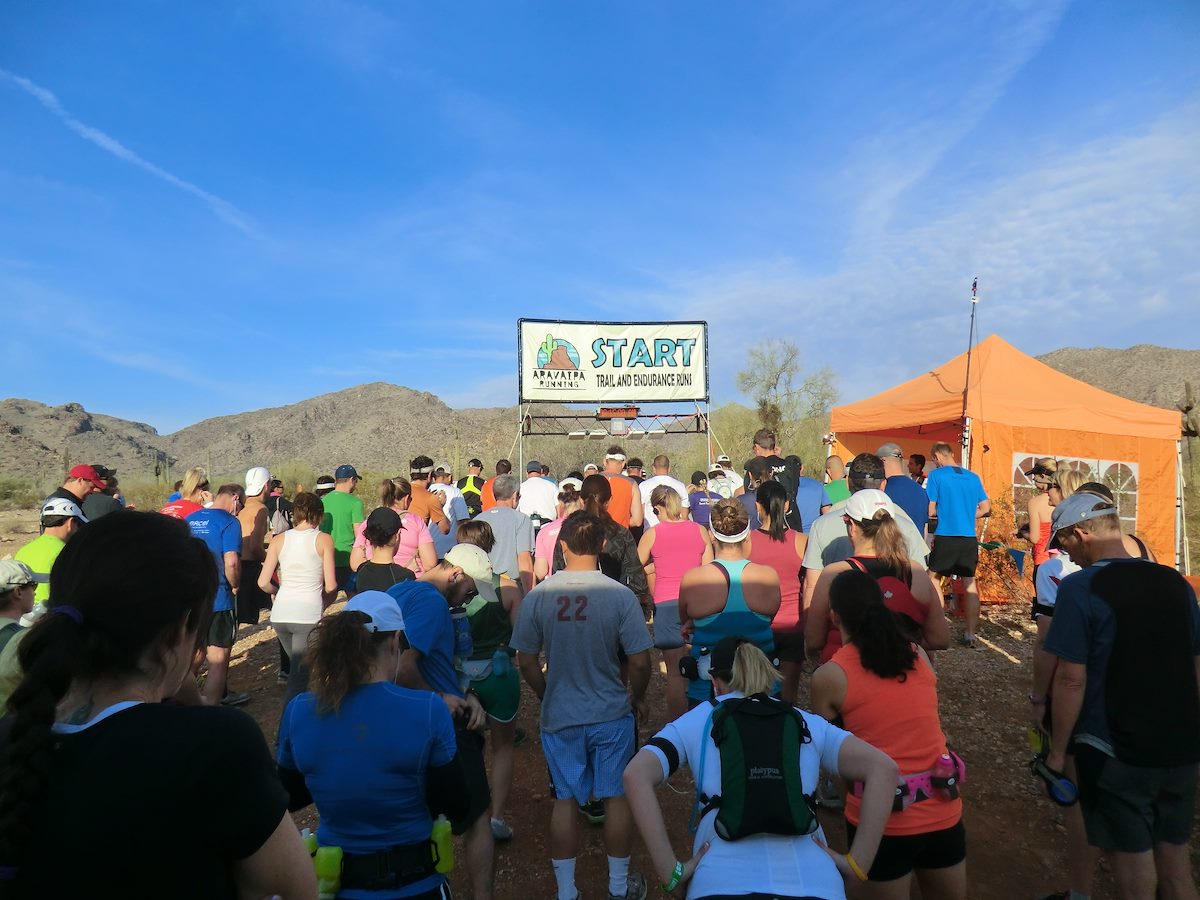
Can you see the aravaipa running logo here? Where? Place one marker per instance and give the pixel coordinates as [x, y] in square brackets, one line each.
[555, 353]
[558, 365]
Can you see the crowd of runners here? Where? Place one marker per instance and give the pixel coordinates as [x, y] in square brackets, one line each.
[794, 621]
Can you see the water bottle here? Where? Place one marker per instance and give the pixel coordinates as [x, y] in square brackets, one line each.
[501, 664]
[329, 872]
[464, 644]
[443, 845]
[310, 841]
[945, 777]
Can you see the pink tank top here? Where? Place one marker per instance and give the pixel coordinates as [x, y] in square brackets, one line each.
[678, 546]
[782, 557]
[413, 533]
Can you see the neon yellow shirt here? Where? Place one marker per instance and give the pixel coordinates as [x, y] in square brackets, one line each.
[39, 554]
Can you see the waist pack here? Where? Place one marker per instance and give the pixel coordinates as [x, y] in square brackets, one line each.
[759, 740]
[388, 869]
[939, 783]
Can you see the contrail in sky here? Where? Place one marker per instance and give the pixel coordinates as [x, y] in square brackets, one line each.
[223, 208]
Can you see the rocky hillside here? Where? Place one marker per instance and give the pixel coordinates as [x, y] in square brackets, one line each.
[36, 440]
[1145, 373]
[376, 427]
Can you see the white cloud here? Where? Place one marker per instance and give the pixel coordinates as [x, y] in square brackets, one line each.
[1096, 245]
[222, 208]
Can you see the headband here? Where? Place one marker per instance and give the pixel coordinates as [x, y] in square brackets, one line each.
[732, 538]
[70, 612]
[619, 457]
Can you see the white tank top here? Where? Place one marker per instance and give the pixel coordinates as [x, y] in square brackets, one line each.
[301, 579]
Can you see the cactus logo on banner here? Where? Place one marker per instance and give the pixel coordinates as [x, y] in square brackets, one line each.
[622, 362]
[558, 365]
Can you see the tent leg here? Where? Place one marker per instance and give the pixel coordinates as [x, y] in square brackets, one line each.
[1183, 554]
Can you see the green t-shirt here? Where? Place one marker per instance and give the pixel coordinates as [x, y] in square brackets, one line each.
[39, 554]
[345, 511]
[838, 490]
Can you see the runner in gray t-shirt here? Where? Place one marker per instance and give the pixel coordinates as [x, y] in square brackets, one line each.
[581, 618]
[512, 554]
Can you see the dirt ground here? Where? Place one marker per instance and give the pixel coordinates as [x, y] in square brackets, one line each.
[1015, 835]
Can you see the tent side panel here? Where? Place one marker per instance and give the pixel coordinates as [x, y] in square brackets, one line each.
[1140, 470]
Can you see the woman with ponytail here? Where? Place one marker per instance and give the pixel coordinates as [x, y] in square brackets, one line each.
[761, 865]
[881, 552]
[729, 596]
[776, 545]
[883, 690]
[414, 548]
[378, 760]
[103, 786]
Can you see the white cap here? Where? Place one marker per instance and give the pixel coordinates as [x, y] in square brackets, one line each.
[570, 482]
[256, 479]
[476, 565]
[863, 505]
[60, 506]
[591, 466]
[14, 574]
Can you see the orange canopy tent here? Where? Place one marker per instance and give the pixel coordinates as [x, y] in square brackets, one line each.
[1018, 409]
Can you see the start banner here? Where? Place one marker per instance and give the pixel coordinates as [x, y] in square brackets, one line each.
[612, 362]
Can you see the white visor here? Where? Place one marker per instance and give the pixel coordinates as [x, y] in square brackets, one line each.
[732, 538]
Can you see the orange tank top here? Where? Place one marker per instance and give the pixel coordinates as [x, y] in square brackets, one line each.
[899, 718]
[622, 498]
[1041, 547]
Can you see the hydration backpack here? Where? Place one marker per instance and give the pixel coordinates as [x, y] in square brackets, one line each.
[759, 740]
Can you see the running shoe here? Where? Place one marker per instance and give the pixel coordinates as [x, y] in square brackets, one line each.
[236, 699]
[635, 888]
[500, 830]
[593, 811]
[968, 640]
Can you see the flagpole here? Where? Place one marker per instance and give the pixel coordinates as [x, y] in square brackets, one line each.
[966, 422]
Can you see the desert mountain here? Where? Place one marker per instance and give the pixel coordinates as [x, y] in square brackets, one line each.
[1145, 373]
[378, 427]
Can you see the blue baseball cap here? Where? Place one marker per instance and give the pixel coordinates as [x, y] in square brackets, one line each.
[382, 608]
[345, 471]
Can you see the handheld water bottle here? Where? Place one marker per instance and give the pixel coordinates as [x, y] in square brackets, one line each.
[329, 872]
[443, 845]
[501, 664]
[464, 644]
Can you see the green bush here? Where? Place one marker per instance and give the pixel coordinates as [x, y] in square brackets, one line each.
[18, 493]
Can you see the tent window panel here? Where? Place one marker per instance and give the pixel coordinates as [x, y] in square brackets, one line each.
[1120, 477]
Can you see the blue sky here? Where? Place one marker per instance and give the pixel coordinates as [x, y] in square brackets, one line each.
[216, 207]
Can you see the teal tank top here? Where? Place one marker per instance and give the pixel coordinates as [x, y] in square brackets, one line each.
[735, 619]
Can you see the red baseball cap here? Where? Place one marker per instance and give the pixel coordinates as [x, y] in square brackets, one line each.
[87, 473]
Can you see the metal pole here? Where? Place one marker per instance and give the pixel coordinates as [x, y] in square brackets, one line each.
[966, 440]
[1183, 555]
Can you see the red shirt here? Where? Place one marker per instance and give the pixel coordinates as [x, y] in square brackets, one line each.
[180, 509]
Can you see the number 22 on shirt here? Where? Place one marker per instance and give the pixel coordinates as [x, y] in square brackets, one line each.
[572, 610]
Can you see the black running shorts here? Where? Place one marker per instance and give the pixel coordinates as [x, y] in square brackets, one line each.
[1128, 808]
[902, 853]
[954, 556]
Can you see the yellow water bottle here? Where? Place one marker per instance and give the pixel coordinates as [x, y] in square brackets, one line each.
[329, 872]
[443, 845]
